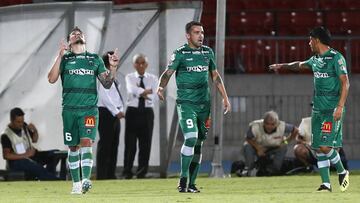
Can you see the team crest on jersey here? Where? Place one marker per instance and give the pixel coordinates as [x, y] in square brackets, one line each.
[89, 121]
[326, 127]
[206, 59]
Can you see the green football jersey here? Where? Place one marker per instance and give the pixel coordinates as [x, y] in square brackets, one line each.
[192, 68]
[327, 86]
[78, 74]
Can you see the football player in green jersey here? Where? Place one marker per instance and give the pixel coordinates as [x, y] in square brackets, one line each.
[331, 86]
[193, 63]
[78, 70]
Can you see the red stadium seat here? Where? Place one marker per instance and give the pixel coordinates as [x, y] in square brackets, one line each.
[332, 4]
[209, 22]
[250, 23]
[355, 56]
[255, 4]
[352, 4]
[14, 2]
[305, 4]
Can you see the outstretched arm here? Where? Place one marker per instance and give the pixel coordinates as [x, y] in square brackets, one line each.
[216, 78]
[295, 66]
[163, 81]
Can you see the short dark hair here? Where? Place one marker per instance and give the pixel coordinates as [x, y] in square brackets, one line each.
[322, 34]
[16, 112]
[190, 24]
[76, 28]
[105, 58]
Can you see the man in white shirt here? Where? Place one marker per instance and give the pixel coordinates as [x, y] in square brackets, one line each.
[139, 118]
[111, 110]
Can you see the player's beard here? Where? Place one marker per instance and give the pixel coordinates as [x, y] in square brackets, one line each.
[197, 43]
[79, 41]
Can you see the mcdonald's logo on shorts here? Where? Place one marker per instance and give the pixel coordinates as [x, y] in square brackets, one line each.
[90, 121]
[326, 127]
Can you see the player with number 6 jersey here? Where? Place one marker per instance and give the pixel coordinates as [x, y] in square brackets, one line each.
[78, 70]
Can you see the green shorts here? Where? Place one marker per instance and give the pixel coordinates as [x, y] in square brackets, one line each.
[326, 131]
[79, 124]
[194, 118]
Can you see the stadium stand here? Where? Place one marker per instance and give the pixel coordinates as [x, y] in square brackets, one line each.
[288, 23]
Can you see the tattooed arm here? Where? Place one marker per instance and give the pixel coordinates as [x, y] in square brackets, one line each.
[163, 81]
[216, 78]
[107, 78]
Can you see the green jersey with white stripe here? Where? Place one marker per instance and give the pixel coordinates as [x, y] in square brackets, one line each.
[78, 74]
[192, 68]
[327, 86]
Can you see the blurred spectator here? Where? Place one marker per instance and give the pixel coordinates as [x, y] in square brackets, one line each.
[111, 110]
[266, 145]
[19, 152]
[139, 118]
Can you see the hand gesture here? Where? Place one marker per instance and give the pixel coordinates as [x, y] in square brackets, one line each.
[31, 128]
[275, 67]
[227, 106]
[114, 59]
[160, 93]
[261, 152]
[120, 115]
[337, 113]
[63, 47]
[145, 93]
[30, 152]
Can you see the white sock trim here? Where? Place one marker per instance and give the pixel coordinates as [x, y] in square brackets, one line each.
[87, 162]
[323, 164]
[86, 150]
[330, 153]
[73, 153]
[191, 135]
[74, 165]
[187, 151]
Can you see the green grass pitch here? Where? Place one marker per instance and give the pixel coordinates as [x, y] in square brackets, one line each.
[254, 190]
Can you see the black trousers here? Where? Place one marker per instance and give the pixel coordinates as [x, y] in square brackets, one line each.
[139, 126]
[34, 167]
[107, 147]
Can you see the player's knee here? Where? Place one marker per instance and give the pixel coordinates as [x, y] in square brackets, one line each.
[197, 148]
[85, 142]
[197, 158]
[299, 149]
[324, 149]
[73, 148]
